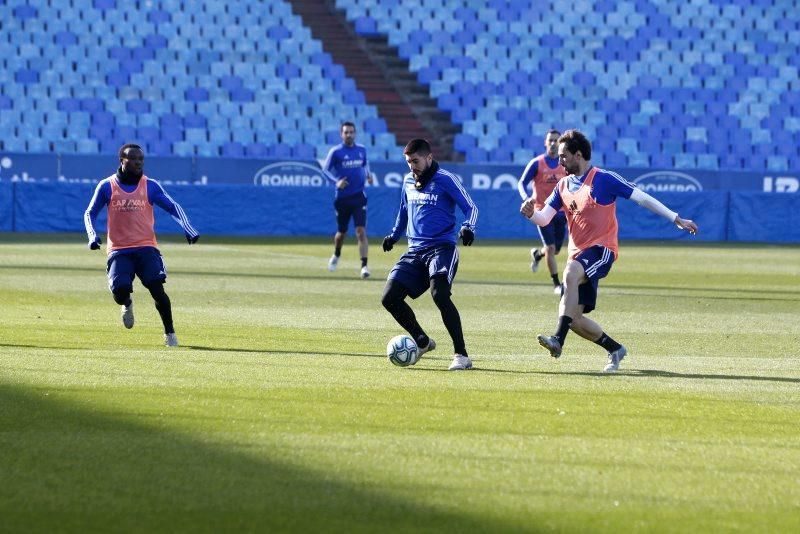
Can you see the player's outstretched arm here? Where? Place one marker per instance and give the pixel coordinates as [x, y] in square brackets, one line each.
[539, 218]
[654, 205]
[686, 224]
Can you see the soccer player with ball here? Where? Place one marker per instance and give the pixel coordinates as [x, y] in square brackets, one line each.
[588, 196]
[427, 215]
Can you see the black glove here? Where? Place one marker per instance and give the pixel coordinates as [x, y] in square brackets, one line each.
[192, 240]
[95, 245]
[467, 236]
[388, 243]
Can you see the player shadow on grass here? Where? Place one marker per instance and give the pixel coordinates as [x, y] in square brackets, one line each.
[286, 351]
[180, 272]
[657, 373]
[123, 472]
[716, 293]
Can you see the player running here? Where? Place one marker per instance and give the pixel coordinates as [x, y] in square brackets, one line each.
[427, 215]
[347, 167]
[544, 172]
[132, 247]
[588, 196]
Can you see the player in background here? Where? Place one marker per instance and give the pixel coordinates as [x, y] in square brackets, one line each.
[427, 215]
[347, 167]
[132, 247]
[588, 195]
[544, 172]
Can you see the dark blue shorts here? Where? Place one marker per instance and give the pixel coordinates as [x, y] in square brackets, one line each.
[596, 262]
[146, 263]
[354, 206]
[415, 269]
[555, 232]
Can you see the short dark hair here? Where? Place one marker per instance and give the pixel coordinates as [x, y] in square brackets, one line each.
[126, 147]
[417, 146]
[576, 141]
[552, 131]
[346, 123]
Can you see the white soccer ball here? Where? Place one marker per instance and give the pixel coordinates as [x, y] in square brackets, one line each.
[402, 351]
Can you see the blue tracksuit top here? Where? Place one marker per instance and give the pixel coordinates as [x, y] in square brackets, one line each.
[428, 216]
[349, 162]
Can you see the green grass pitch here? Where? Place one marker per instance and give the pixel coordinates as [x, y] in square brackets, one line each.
[280, 412]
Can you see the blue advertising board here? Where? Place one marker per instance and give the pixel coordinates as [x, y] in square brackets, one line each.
[292, 173]
[227, 196]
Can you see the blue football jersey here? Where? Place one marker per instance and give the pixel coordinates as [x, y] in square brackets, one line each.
[428, 215]
[349, 162]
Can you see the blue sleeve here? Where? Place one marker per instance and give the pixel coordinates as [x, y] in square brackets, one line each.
[554, 200]
[464, 201]
[159, 197]
[327, 166]
[608, 185]
[401, 222]
[100, 199]
[527, 177]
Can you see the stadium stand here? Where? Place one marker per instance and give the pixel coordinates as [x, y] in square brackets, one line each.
[706, 84]
[201, 78]
[703, 84]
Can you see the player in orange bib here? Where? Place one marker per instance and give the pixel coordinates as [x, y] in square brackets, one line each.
[132, 246]
[544, 172]
[588, 196]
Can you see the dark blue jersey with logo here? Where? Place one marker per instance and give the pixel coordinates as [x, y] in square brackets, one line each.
[349, 162]
[428, 215]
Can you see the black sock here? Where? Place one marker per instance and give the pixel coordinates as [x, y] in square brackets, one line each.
[537, 255]
[337, 251]
[555, 280]
[422, 340]
[563, 328]
[440, 291]
[607, 343]
[363, 262]
[163, 306]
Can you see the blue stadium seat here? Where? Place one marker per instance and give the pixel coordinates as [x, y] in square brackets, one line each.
[233, 149]
[660, 70]
[256, 150]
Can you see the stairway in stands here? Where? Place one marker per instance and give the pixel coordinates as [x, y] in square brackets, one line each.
[383, 77]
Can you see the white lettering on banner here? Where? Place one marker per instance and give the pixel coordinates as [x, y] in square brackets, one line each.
[289, 173]
[781, 184]
[481, 181]
[507, 179]
[667, 181]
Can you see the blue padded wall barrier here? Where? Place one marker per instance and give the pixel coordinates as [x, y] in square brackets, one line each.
[764, 217]
[308, 211]
[6, 207]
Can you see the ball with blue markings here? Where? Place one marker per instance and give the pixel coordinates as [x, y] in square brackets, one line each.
[402, 351]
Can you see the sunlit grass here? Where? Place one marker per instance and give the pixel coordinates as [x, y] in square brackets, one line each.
[280, 412]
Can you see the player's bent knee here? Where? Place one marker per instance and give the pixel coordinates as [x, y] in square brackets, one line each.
[121, 294]
[440, 291]
[393, 294]
[156, 288]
